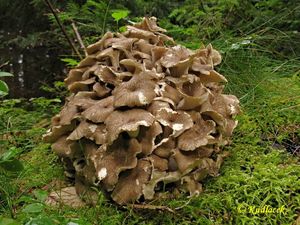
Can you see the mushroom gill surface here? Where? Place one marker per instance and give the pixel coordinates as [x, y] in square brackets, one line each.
[143, 112]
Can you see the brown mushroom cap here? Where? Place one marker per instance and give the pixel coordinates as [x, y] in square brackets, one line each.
[101, 90]
[130, 186]
[144, 46]
[57, 131]
[98, 46]
[194, 94]
[174, 56]
[113, 159]
[199, 135]
[128, 120]
[65, 148]
[193, 186]
[124, 43]
[157, 105]
[100, 110]
[167, 91]
[74, 75]
[222, 108]
[132, 66]
[213, 76]
[113, 56]
[159, 163]
[135, 92]
[158, 176]
[133, 32]
[214, 56]
[147, 137]
[165, 149]
[81, 85]
[87, 61]
[150, 25]
[177, 121]
[90, 131]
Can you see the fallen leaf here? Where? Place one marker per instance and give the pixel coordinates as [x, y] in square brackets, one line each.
[65, 196]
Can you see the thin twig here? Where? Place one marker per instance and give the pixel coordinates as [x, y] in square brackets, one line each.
[62, 28]
[4, 64]
[151, 207]
[78, 37]
[184, 205]
[105, 16]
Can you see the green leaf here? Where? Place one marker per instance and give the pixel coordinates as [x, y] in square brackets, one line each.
[25, 199]
[119, 14]
[3, 87]
[13, 165]
[33, 208]
[40, 195]
[70, 62]
[5, 74]
[2, 94]
[122, 29]
[41, 220]
[10, 154]
[8, 221]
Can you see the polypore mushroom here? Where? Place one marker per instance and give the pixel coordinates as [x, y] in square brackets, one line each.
[143, 112]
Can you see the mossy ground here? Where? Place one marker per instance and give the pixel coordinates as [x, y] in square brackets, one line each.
[262, 169]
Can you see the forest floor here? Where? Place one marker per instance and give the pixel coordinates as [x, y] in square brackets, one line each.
[262, 169]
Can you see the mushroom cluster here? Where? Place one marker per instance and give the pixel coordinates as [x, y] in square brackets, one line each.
[144, 112]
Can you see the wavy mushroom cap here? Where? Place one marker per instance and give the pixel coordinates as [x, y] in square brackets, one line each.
[135, 92]
[65, 148]
[147, 137]
[129, 120]
[132, 66]
[90, 60]
[89, 130]
[175, 55]
[74, 75]
[167, 91]
[194, 94]
[98, 46]
[199, 135]
[113, 159]
[130, 186]
[100, 110]
[112, 55]
[177, 121]
[134, 32]
[150, 25]
[57, 131]
[157, 105]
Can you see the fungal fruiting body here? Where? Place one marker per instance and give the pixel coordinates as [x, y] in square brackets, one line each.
[143, 111]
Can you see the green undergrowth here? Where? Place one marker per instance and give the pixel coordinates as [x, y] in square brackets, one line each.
[260, 171]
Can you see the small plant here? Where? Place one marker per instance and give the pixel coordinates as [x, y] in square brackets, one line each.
[9, 161]
[118, 15]
[70, 62]
[3, 86]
